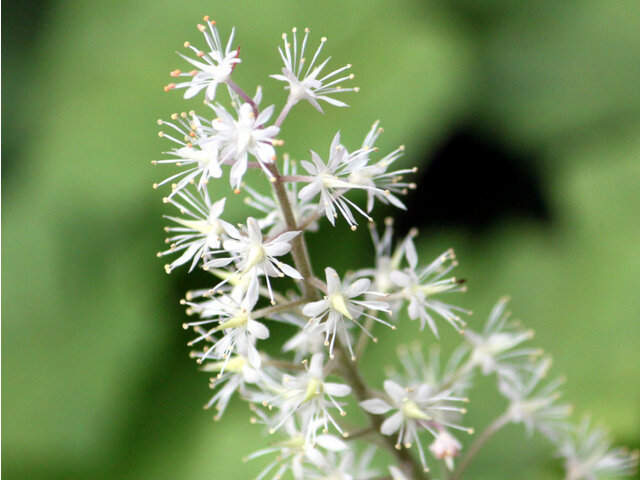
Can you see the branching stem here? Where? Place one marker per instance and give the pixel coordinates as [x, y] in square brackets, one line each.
[349, 369]
[283, 364]
[285, 111]
[360, 433]
[282, 307]
[479, 442]
[297, 178]
[243, 95]
[298, 247]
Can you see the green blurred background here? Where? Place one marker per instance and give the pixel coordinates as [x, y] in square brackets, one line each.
[524, 117]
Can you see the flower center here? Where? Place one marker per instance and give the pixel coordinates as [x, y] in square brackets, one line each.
[340, 305]
[234, 322]
[411, 410]
[244, 138]
[313, 389]
[255, 256]
[235, 365]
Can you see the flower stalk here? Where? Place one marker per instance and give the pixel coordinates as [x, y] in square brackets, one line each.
[301, 395]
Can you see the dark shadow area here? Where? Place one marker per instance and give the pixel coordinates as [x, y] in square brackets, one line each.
[474, 181]
[23, 26]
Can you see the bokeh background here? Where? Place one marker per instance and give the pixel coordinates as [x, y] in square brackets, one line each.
[524, 117]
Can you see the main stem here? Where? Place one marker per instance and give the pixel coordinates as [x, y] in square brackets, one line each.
[351, 373]
[298, 246]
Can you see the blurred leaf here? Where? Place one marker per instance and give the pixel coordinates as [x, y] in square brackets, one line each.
[96, 380]
[553, 69]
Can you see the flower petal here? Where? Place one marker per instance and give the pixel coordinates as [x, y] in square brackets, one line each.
[376, 406]
[392, 424]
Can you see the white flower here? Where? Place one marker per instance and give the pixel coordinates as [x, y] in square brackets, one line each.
[340, 304]
[304, 80]
[246, 135]
[417, 409]
[295, 452]
[310, 396]
[212, 68]
[453, 376]
[342, 465]
[494, 350]
[331, 181]
[197, 236]
[532, 406]
[387, 259]
[375, 175]
[198, 152]
[420, 286]
[233, 373]
[445, 447]
[232, 314]
[589, 456]
[254, 255]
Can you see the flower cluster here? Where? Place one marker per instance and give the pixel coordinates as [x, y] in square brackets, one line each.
[262, 274]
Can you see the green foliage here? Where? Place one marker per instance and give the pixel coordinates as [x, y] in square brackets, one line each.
[96, 379]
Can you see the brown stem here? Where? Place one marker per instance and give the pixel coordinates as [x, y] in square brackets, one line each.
[243, 95]
[350, 370]
[265, 312]
[283, 364]
[297, 178]
[360, 433]
[319, 284]
[298, 247]
[284, 112]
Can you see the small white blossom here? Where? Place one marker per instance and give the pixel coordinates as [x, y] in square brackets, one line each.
[494, 350]
[445, 447]
[310, 396]
[339, 304]
[588, 455]
[454, 376]
[305, 81]
[213, 67]
[248, 135]
[417, 409]
[333, 179]
[420, 286]
[382, 184]
[198, 236]
[387, 260]
[197, 151]
[326, 180]
[295, 453]
[344, 465]
[535, 407]
[232, 314]
[254, 255]
[233, 373]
